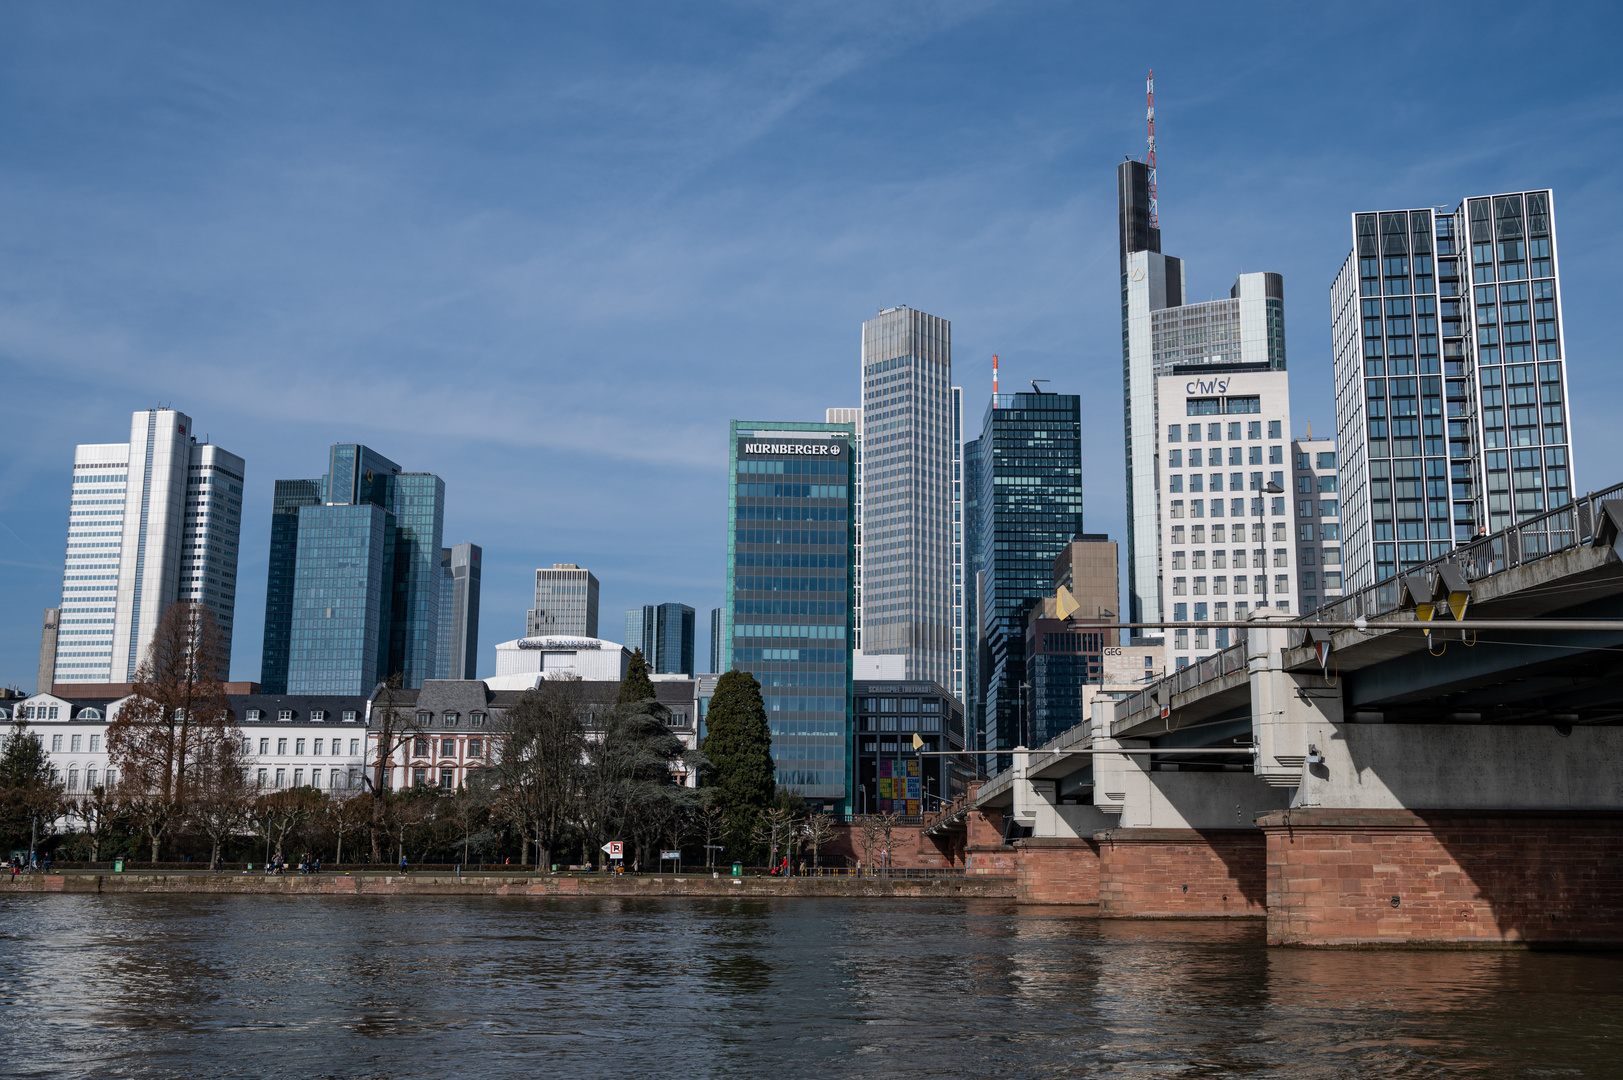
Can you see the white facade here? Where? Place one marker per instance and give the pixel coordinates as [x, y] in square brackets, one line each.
[521, 663]
[151, 521]
[1228, 545]
[854, 418]
[907, 491]
[1317, 510]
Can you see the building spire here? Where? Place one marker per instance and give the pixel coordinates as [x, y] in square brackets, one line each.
[1149, 93]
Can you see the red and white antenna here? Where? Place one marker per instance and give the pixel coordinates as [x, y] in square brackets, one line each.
[994, 380]
[1149, 93]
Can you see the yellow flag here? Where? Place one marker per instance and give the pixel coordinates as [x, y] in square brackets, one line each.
[1064, 603]
[918, 743]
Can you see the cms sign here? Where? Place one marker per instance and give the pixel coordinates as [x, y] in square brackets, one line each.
[1206, 386]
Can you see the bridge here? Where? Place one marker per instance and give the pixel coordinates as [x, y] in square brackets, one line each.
[1435, 759]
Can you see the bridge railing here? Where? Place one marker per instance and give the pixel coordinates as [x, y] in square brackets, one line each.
[1215, 666]
[1549, 533]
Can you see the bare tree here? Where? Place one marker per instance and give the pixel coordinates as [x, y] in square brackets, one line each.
[395, 726]
[222, 799]
[887, 829]
[869, 832]
[712, 825]
[279, 814]
[539, 765]
[171, 732]
[96, 810]
[774, 829]
[344, 814]
[818, 830]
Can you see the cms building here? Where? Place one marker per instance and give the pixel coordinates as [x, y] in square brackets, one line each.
[791, 493]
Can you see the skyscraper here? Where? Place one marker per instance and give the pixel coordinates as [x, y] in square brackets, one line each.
[907, 455]
[716, 623]
[458, 655]
[959, 581]
[1318, 521]
[639, 623]
[1161, 335]
[367, 578]
[974, 586]
[152, 521]
[854, 418]
[565, 603]
[665, 634]
[287, 497]
[1030, 508]
[789, 550]
[1451, 383]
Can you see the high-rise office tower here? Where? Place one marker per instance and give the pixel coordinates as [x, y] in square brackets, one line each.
[287, 497]
[565, 603]
[1228, 546]
[974, 586]
[152, 521]
[1161, 335]
[1451, 384]
[959, 582]
[907, 456]
[458, 654]
[716, 623]
[1318, 521]
[1030, 508]
[664, 633]
[854, 418]
[1065, 635]
[367, 578]
[788, 614]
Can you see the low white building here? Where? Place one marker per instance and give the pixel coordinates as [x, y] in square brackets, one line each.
[521, 663]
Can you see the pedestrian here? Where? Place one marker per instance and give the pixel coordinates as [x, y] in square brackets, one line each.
[636, 865]
[402, 864]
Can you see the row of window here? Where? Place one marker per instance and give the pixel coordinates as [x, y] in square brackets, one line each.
[298, 747]
[1214, 457]
[451, 719]
[1220, 585]
[1197, 533]
[1214, 432]
[1219, 559]
[1219, 611]
[422, 746]
[1237, 481]
[1197, 508]
[1306, 508]
[285, 716]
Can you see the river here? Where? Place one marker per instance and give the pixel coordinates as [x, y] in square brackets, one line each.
[464, 987]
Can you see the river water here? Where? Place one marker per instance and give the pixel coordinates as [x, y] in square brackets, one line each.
[464, 987]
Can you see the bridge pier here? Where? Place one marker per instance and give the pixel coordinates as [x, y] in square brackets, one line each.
[1521, 844]
[1182, 873]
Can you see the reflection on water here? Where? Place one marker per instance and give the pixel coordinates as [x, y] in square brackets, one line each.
[150, 986]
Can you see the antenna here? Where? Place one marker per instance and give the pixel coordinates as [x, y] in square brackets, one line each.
[1149, 93]
[1035, 389]
[994, 380]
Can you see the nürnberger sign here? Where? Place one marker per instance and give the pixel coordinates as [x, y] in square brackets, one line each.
[828, 449]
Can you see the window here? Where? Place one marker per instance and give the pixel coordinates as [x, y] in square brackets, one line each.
[1180, 586]
[281, 779]
[425, 718]
[95, 744]
[476, 719]
[447, 748]
[298, 748]
[354, 747]
[1273, 429]
[56, 743]
[73, 743]
[1332, 580]
[419, 746]
[298, 777]
[73, 779]
[264, 746]
[446, 781]
[261, 777]
[1174, 433]
[318, 715]
[451, 719]
[281, 749]
[1308, 558]
[476, 748]
[1276, 455]
[317, 748]
[349, 716]
[1331, 556]
[253, 714]
[419, 777]
[1282, 583]
[1327, 460]
[1253, 430]
[285, 715]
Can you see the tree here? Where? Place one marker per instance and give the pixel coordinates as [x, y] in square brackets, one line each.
[868, 832]
[170, 734]
[223, 800]
[774, 830]
[738, 743]
[279, 814]
[344, 814]
[97, 810]
[30, 794]
[628, 775]
[819, 830]
[636, 686]
[538, 768]
[712, 824]
[395, 726]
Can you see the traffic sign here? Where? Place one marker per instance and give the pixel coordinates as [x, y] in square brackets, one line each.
[616, 849]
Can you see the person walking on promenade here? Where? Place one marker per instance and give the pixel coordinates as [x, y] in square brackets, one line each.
[402, 864]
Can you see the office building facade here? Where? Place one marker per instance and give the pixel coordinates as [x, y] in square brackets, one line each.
[460, 571]
[1030, 509]
[894, 776]
[1229, 546]
[1451, 381]
[1067, 635]
[665, 634]
[974, 588]
[565, 603]
[288, 496]
[1161, 335]
[151, 521]
[854, 418]
[367, 579]
[789, 597]
[1318, 521]
[907, 457]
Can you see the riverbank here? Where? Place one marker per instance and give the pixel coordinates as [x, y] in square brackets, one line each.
[394, 884]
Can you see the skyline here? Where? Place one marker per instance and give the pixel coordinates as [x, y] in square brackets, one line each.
[377, 236]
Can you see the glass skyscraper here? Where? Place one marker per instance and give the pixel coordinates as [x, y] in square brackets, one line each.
[287, 498]
[664, 633]
[1451, 384]
[907, 494]
[460, 571]
[367, 579]
[1030, 508]
[565, 604]
[788, 614]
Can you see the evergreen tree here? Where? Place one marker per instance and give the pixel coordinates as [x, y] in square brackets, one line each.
[738, 744]
[30, 794]
[637, 686]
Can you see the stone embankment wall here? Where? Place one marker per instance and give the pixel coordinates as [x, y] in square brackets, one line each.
[513, 885]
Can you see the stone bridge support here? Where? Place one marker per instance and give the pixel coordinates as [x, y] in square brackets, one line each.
[1450, 834]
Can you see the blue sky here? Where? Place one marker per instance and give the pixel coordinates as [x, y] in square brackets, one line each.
[547, 251]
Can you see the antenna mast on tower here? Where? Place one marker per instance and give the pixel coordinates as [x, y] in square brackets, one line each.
[994, 380]
[1149, 92]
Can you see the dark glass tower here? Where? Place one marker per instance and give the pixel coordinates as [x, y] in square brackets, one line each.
[288, 497]
[1030, 507]
[367, 581]
[789, 555]
[458, 655]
